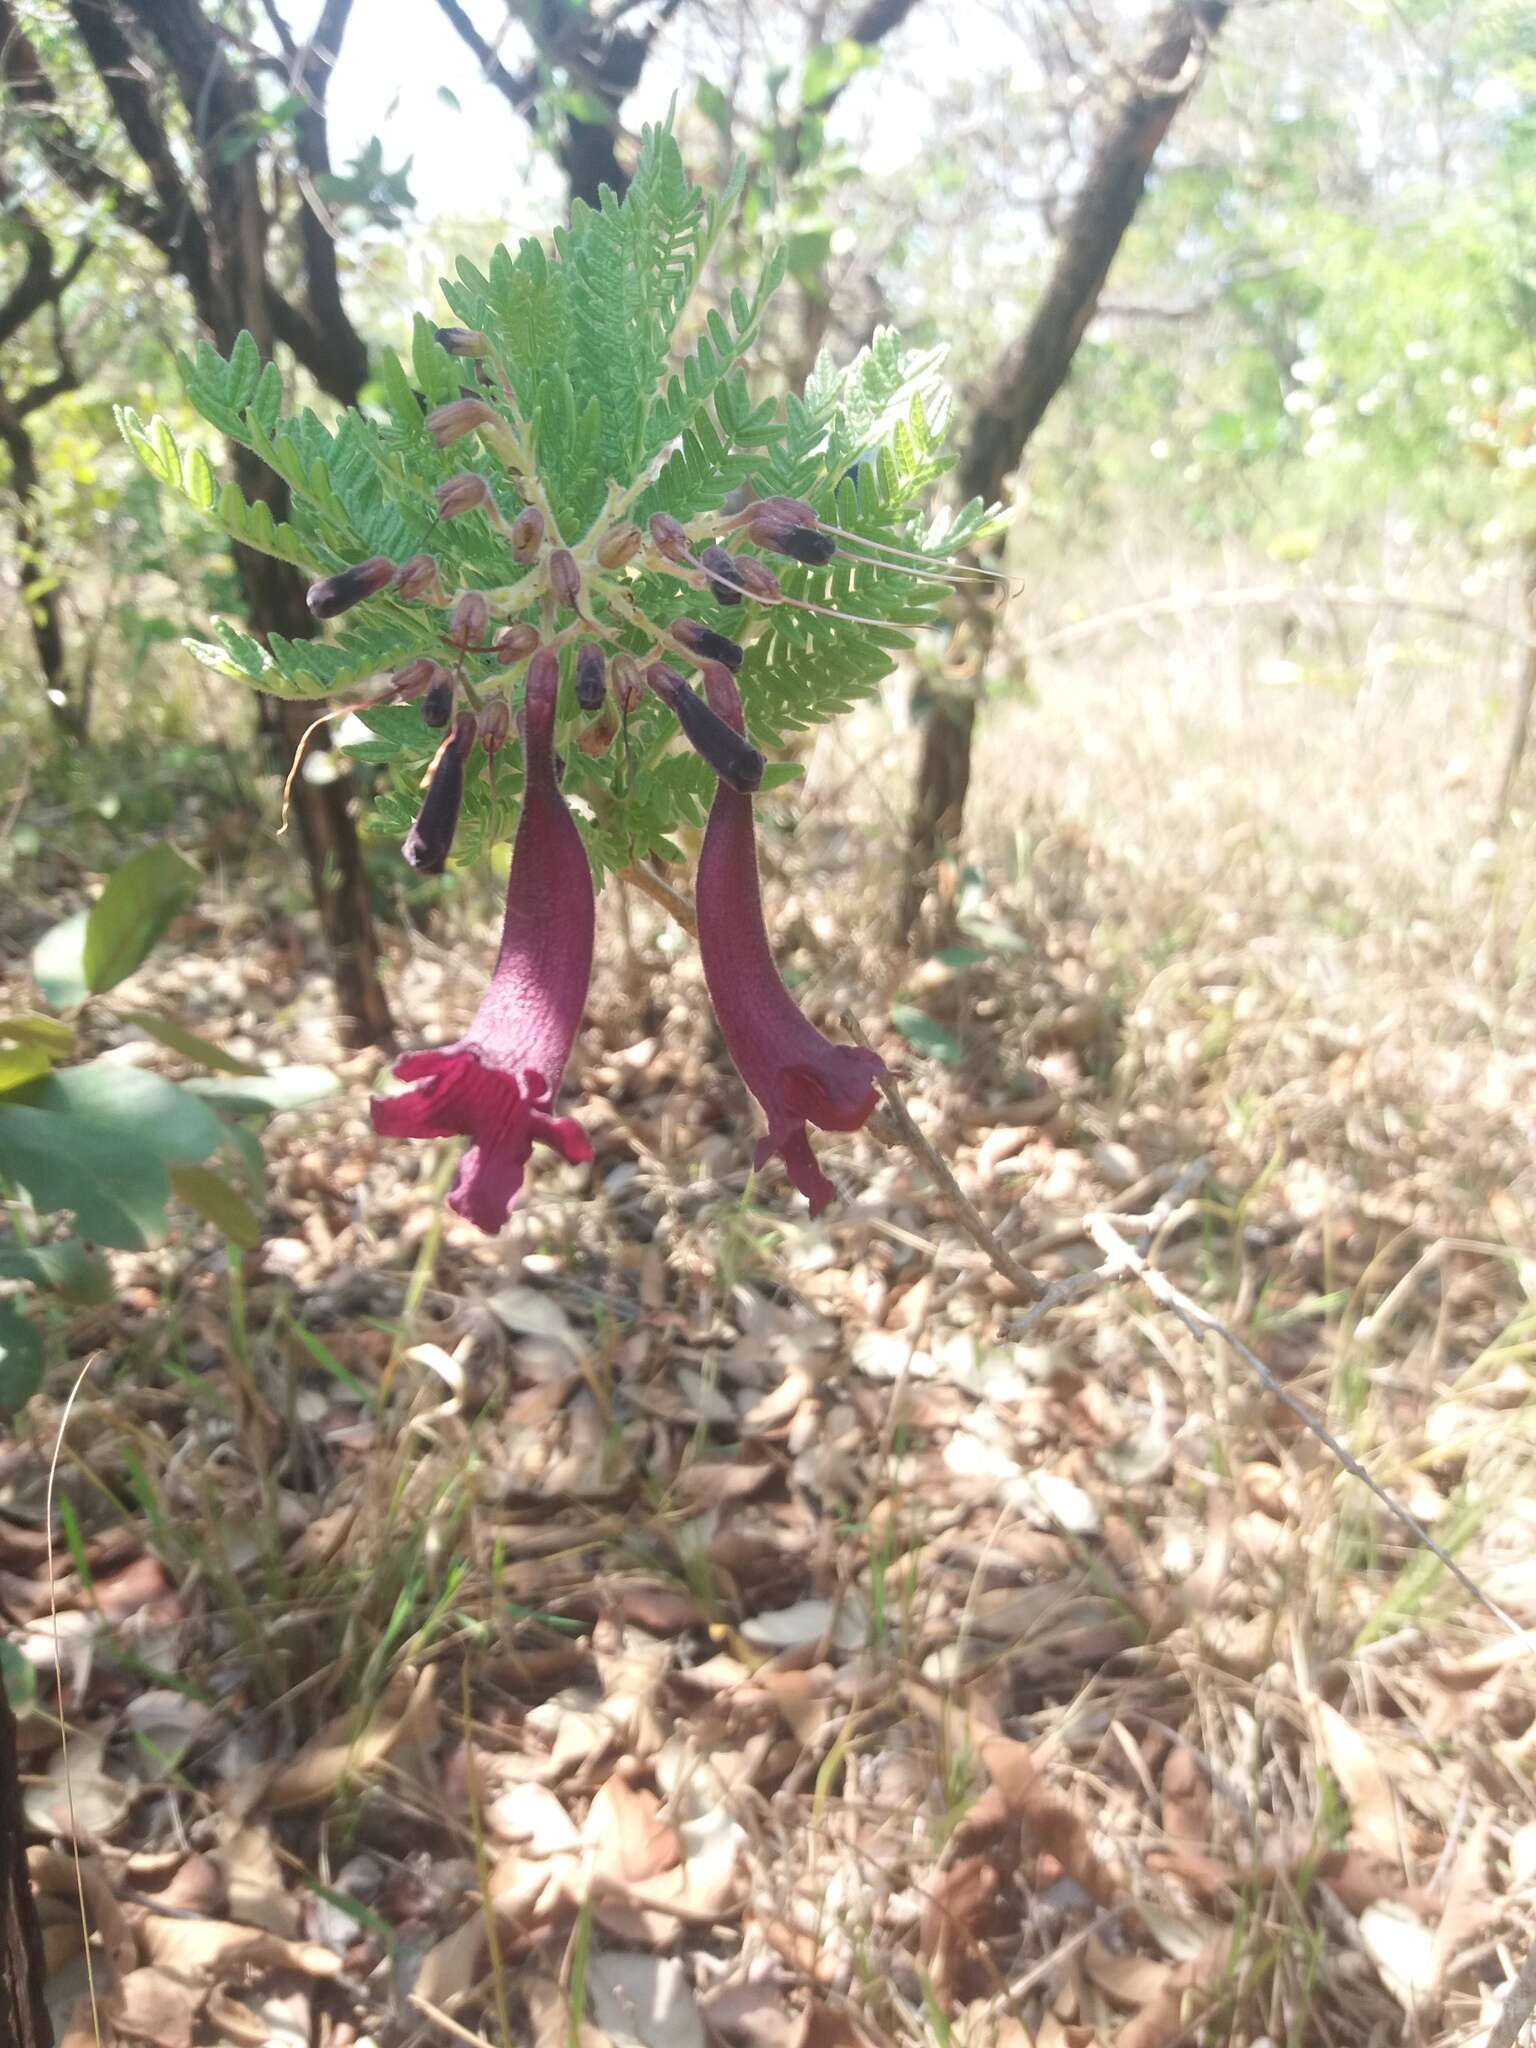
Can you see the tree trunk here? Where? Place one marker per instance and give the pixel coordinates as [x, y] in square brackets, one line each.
[1525, 694]
[1027, 376]
[23, 2015]
[333, 853]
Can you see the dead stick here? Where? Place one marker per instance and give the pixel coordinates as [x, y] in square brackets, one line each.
[1024, 1284]
[677, 906]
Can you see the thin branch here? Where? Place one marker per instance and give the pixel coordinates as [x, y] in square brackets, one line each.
[640, 877]
[1358, 594]
[1519, 2004]
[1002, 1261]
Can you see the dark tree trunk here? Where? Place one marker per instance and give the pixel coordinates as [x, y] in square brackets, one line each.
[23, 2015]
[45, 611]
[221, 252]
[1028, 375]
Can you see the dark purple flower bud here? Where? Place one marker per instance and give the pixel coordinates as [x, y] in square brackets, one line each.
[495, 723]
[470, 619]
[461, 341]
[724, 583]
[669, 537]
[591, 680]
[800, 543]
[466, 492]
[417, 577]
[430, 839]
[619, 545]
[437, 704]
[515, 643]
[460, 416]
[527, 534]
[793, 511]
[705, 643]
[758, 578]
[333, 595]
[733, 757]
[564, 578]
[628, 687]
[418, 675]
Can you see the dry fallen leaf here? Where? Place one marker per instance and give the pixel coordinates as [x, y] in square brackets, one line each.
[1403, 1950]
[342, 1755]
[153, 2008]
[643, 2001]
[197, 1950]
[1366, 1786]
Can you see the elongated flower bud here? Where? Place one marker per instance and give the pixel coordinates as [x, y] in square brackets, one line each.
[495, 723]
[333, 595]
[527, 534]
[418, 675]
[437, 704]
[417, 577]
[515, 643]
[430, 839]
[461, 341]
[620, 544]
[793, 511]
[800, 543]
[669, 537]
[628, 687]
[470, 619]
[705, 642]
[466, 492]
[460, 416]
[734, 759]
[591, 681]
[564, 578]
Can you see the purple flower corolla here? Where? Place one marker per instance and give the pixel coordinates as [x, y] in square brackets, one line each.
[798, 1076]
[497, 1085]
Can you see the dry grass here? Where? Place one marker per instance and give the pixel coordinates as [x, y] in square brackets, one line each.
[677, 1606]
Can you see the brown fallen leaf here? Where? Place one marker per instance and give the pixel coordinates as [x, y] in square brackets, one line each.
[828, 2026]
[1129, 1979]
[1049, 1817]
[201, 1949]
[1186, 1794]
[1362, 1780]
[57, 1876]
[253, 1878]
[1165, 2018]
[340, 1754]
[151, 2007]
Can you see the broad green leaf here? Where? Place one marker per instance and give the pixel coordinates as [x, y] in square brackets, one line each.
[190, 1044]
[218, 1203]
[927, 1034]
[69, 1268]
[266, 1094]
[17, 1678]
[46, 1034]
[20, 1063]
[21, 1358]
[97, 1140]
[139, 901]
[58, 962]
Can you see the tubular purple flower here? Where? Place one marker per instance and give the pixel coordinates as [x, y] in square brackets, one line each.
[565, 578]
[416, 676]
[732, 756]
[798, 1076]
[725, 586]
[430, 840]
[527, 534]
[515, 643]
[470, 619]
[333, 595]
[497, 1085]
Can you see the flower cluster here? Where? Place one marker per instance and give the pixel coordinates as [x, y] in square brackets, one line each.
[498, 1085]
